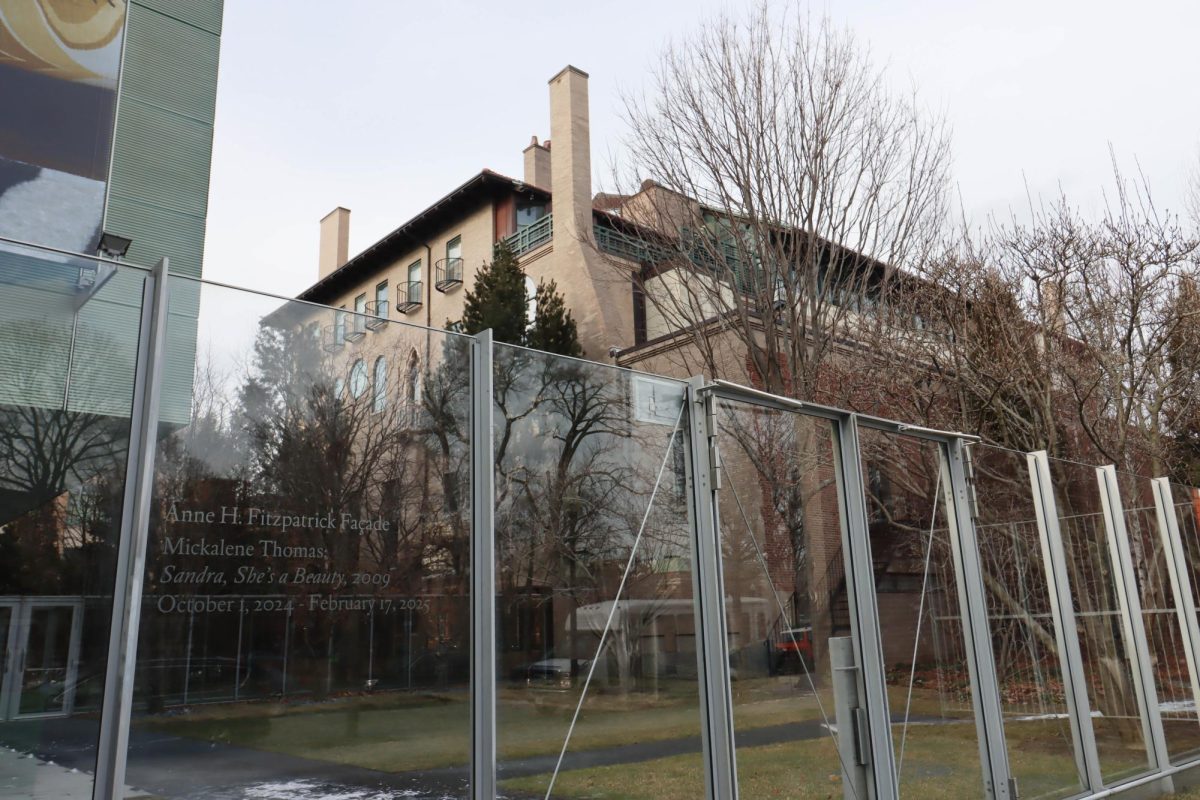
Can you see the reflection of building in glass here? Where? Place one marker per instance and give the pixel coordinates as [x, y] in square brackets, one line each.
[592, 245]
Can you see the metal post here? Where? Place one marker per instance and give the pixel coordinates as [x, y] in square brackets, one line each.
[981, 661]
[1129, 603]
[1180, 575]
[708, 593]
[287, 645]
[117, 705]
[1066, 634]
[864, 608]
[237, 664]
[187, 658]
[483, 574]
[847, 708]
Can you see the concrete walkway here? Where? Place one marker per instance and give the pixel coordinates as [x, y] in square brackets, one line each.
[26, 777]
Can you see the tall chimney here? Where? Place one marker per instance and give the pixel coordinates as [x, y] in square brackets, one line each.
[335, 241]
[571, 157]
[537, 164]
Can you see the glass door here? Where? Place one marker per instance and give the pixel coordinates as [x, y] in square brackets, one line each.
[786, 596]
[8, 625]
[924, 647]
[46, 656]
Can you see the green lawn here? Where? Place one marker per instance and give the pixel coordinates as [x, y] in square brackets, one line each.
[401, 732]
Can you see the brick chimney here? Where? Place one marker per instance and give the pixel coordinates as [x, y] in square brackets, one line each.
[335, 241]
[537, 164]
[570, 158]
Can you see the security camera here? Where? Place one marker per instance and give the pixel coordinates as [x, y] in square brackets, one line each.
[614, 351]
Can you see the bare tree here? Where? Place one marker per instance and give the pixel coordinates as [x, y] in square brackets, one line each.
[788, 181]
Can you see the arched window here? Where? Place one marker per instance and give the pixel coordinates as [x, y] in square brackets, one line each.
[358, 379]
[412, 384]
[379, 398]
[530, 302]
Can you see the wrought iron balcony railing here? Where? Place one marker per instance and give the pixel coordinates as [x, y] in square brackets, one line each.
[449, 274]
[409, 296]
[333, 337]
[357, 328]
[378, 314]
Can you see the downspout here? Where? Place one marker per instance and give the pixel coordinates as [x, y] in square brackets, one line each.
[428, 290]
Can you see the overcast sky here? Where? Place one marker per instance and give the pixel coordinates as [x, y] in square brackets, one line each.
[382, 106]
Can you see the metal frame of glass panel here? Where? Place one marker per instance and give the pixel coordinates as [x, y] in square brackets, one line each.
[712, 651]
[1181, 580]
[1087, 758]
[1129, 605]
[117, 705]
[865, 629]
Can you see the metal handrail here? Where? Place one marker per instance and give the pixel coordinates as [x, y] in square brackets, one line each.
[449, 274]
[532, 236]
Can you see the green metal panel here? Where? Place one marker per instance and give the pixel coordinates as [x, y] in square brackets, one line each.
[162, 158]
[158, 232]
[105, 357]
[35, 340]
[179, 367]
[205, 14]
[169, 63]
[162, 153]
[158, 183]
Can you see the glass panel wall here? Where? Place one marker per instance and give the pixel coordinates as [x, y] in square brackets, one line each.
[1107, 655]
[929, 688]
[1160, 616]
[596, 650]
[1037, 726]
[305, 625]
[306, 617]
[786, 595]
[68, 356]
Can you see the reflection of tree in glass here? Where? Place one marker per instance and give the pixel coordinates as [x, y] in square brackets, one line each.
[60, 463]
[285, 440]
[574, 479]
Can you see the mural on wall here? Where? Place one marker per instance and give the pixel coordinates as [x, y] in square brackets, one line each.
[59, 62]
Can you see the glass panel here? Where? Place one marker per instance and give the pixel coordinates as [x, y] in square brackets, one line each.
[785, 588]
[1116, 717]
[6, 624]
[44, 679]
[307, 589]
[1160, 618]
[68, 352]
[1187, 517]
[596, 645]
[1037, 727]
[929, 689]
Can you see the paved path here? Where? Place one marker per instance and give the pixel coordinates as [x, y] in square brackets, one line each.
[26, 777]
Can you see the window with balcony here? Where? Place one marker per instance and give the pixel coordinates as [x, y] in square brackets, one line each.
[359, 328]
[337, 336]
[529, 212]
[450, 268]
[377, 309]
[408, 294]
